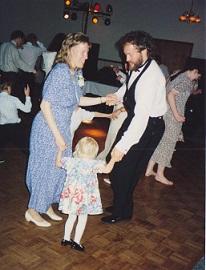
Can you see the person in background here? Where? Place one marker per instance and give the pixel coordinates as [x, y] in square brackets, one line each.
[62, 93]
[118, 116]
[31, 53]
[121, 76]
[144, 98]
[50, 54]
[80, 115]
[162, 66]
[31, 50]
[11, 127]
[11, 63]
[179, 88]
[80, 196]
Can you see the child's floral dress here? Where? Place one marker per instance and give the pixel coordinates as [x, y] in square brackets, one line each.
[80, 194]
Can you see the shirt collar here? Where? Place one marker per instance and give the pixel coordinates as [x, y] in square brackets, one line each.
[4, 93]
[13, 42]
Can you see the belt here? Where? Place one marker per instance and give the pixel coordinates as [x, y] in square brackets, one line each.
[157, 117]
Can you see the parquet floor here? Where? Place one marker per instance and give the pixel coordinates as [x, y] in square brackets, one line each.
[166, 232]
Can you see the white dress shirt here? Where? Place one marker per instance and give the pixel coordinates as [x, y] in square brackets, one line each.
[150, 98]
[9, 106]
[48, 58]
[10, 60]
[30, 53]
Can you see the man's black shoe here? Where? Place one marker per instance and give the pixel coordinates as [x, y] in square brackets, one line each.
[111, 219]
[109, 209]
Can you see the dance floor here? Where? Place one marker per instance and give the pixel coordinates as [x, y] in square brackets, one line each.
[165, 233]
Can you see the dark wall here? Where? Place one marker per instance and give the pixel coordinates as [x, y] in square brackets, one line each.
[194, 126]
[90, 67]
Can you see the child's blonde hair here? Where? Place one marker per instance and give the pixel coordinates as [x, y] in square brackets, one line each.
[86, 147]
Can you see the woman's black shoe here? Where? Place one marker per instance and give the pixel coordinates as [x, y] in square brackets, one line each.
[67, 243]
[77, 246]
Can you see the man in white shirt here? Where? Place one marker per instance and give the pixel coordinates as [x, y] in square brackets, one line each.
[144, 98]
[10, 122]
[11, 63]
[31, 50]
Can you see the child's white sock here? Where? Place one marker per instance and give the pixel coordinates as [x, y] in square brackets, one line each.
[69, 226]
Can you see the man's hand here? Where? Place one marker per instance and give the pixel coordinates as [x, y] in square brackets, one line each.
[116, 155]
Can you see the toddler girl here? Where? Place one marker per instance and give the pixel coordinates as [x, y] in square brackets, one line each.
[80, 195]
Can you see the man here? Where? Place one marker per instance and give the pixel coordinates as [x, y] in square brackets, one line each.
[144, 98]
[31, 50]
[11, 63]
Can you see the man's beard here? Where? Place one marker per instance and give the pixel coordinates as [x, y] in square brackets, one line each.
[135, 66]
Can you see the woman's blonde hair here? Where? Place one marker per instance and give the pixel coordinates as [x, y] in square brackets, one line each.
[87, 147]
[70, 41]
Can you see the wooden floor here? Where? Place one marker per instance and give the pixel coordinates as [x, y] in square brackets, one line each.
[166, 232]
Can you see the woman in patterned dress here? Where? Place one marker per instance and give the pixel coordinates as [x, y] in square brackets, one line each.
[178, 92]
[50, 132]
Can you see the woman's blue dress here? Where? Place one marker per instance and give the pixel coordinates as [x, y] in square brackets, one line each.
[44, 180]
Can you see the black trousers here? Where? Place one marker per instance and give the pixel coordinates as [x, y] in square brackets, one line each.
[17, 134]
[127, 172]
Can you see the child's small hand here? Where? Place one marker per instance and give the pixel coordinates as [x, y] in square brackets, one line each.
[98, 169]
[27, 90]
[115, 114]
[108, 168]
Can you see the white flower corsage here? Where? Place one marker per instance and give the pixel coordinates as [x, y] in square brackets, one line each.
[80, 79]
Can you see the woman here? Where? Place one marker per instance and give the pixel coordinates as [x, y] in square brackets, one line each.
[178, 92]
[51, 127]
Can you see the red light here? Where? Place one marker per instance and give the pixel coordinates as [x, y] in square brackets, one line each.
[97, 7]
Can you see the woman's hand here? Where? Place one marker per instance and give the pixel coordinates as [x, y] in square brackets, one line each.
[179, 118]
[58, 159]
[111, 99]
[60, 143]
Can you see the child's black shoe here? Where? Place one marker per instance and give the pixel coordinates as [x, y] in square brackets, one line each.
[67, 243]
[77, 246]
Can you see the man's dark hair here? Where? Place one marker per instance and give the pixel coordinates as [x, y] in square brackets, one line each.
[31, 37]
[17, 34]
[141, 39]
